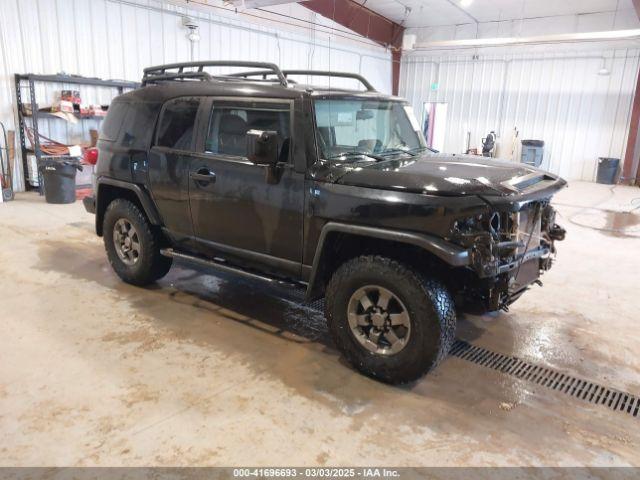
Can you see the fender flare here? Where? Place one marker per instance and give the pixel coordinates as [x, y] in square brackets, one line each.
[451, 254]
[144, 198]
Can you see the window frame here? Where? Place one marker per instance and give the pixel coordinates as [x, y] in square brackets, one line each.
[241, 103]
[192, 148]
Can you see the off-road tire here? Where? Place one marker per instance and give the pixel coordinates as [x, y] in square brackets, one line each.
[428, 302]
[151, 265]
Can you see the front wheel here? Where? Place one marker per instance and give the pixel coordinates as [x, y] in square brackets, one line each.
[132, 246]
[389, 321]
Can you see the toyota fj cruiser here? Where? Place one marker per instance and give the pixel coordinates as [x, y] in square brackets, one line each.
[335, 189]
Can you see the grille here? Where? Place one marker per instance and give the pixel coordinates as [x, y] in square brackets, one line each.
[575, 387]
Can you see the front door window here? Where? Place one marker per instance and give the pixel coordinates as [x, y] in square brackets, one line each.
[229, 124]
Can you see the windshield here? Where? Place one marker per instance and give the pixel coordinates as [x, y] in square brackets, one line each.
[351, 127]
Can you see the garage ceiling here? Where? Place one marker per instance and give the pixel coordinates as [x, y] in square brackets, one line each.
[427, 13]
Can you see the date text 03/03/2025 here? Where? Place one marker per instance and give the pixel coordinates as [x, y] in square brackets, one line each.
[316, 472]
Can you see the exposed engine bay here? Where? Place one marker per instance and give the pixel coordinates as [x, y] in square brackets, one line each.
[509, 250]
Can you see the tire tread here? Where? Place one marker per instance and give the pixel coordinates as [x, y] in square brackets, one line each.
[440, 303]
[155, 265]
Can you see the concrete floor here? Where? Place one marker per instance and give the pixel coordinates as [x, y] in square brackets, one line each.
[214, 370]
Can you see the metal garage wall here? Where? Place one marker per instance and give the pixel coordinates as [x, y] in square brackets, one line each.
[554, 96]
[118, 38]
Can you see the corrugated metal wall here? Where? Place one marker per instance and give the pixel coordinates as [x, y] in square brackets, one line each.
[118, 38]
[555, 96]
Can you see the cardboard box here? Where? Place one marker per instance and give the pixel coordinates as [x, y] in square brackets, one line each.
[86, 110]
[62, 106]
[26, 109]
[72, 96]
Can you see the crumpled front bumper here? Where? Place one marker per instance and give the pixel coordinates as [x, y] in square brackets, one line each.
[510, 254]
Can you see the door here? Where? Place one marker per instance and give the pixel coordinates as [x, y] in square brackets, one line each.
[238, 208]
[169, 165]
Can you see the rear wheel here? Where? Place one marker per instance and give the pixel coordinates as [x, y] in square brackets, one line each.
[132, 245]
[389, 321]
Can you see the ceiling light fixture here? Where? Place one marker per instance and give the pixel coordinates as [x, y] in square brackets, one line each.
[465, 3]
[537, 40]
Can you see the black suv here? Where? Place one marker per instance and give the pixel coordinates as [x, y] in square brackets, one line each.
[334, 189]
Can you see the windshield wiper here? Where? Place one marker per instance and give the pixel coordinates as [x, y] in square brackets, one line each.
[417, 150]
[395, 151]
[356, 154]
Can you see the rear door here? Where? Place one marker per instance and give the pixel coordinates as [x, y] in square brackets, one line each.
[236, 209]
[169, 164]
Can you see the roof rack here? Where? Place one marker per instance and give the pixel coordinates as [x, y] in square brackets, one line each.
[176, 71]
[314, 73]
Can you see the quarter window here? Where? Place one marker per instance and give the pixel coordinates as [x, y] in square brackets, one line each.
[111, 126]
[175, 129]
[229, 124]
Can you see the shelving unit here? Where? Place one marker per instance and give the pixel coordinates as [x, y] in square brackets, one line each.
[27, 82]
[77, 115]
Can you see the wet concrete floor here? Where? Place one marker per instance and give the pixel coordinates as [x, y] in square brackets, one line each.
[207, 369]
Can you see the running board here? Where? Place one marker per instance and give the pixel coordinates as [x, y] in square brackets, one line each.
[220, 264]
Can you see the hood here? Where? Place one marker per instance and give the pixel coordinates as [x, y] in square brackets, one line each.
[440, 174]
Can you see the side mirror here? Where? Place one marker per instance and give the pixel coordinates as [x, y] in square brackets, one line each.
[262, 147]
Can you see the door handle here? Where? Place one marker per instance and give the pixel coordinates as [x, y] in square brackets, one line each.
[203, 176]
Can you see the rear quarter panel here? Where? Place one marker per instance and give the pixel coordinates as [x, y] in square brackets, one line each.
[125, 138]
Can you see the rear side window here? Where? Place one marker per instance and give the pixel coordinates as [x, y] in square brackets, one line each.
[113, 123]
[130, 123]
[175, 129]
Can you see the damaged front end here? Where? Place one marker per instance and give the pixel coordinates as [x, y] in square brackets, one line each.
[509, 249]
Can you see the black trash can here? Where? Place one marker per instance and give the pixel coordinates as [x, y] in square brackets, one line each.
[59, 179]
[607, 170]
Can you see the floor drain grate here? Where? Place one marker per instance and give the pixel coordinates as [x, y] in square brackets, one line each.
[561, 382]
[575, 387]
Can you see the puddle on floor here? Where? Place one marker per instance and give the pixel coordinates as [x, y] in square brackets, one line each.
[613, 224]
[620, 224]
